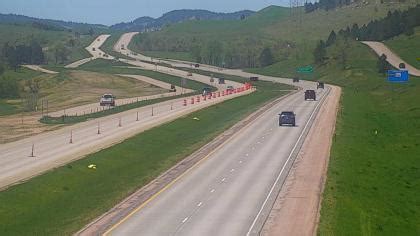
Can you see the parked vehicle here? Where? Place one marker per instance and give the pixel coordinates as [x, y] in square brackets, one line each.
[320, 85]
[107, 100]
[310, 95]
[287, 118]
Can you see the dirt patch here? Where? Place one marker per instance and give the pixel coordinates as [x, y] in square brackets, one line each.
[296, 210]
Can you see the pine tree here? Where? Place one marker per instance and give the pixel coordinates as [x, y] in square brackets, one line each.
[331, 39]
[266, 57]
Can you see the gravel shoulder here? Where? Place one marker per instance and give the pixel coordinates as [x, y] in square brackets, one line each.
[296, 210]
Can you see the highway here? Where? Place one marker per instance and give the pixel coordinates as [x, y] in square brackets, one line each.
[231, 191]
[225, 194]
[26, 158]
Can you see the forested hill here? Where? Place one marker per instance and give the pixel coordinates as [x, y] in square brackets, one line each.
[177, 16]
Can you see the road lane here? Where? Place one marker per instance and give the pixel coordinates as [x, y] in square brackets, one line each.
[223, 194]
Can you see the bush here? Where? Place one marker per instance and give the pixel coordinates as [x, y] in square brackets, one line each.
[9, 88]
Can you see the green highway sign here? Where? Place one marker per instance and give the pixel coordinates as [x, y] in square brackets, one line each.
[305, 69]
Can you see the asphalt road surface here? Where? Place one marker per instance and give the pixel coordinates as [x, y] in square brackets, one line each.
[229, 192]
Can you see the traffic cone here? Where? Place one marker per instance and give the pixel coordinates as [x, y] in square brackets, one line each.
[198, 98]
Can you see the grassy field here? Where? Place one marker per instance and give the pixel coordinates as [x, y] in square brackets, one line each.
[73, 88]
[373, 177]
[403, 45]
[67, 198]
[106, 66]
[185, 56]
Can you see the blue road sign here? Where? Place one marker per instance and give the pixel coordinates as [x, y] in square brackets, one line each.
[397, 75]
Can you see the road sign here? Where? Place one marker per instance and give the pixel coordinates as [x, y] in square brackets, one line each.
[397, 75]
[305, 69]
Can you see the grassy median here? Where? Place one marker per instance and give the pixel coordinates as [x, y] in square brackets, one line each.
[63, 200]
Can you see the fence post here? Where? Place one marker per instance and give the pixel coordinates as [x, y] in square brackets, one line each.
[137, 119]
[33, 150]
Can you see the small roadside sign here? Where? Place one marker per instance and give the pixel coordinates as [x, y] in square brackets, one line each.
[305, 69]
[398, 76]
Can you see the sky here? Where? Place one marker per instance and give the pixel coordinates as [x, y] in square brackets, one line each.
[110, 12]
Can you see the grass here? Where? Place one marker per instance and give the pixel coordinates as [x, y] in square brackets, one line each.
[106, 66]
[185, 56]
[73, 88]
[65, 199]
[403, 46]
[373, 179]
[8, 108]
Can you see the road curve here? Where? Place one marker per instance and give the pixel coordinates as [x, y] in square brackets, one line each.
[94, 50]
[391, 57]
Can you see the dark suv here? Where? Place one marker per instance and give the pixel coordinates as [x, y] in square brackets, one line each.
[287, 118]
[320, 85]
[310, 95]
[296, 80]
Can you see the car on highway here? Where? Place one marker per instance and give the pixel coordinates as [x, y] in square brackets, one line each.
[320, 85]
[230, 88]
[206, 91]
[253, 78]
[221, 81]
[173, 88]
[197, 65]
[287, 118]
[310, 95]
[189, 74]
[107, 100]
[295, 80]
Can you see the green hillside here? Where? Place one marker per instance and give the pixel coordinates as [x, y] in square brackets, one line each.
[291, 35]
[49, 40]
[403, 45]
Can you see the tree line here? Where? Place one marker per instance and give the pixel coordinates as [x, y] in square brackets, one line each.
[325, 4]
[394, 24]
[16, 55]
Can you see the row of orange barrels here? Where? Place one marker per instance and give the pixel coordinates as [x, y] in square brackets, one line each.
[218, 94]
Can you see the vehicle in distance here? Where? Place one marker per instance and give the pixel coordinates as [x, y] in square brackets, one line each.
[287, 118]
[189, 74]
[173, 88]
[295, 80]
[107, 100]
[253, 78]
[206, 91]
[310, 95]
[320, 85]
[197, 65]
[230, 88]
[122, 46]
[221, 81]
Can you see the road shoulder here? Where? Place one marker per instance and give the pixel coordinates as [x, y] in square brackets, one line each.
[296, 210]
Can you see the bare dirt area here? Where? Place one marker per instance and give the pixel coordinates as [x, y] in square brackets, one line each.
[296, 210]
[17, 127]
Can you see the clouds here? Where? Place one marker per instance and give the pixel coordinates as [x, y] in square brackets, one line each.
[115, 11]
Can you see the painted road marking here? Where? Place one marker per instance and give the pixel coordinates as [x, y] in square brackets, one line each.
[285, 164]
[232, 170]
[212, 191]
[199, 204]
[185, 220]
[224, 179]
[240, 162]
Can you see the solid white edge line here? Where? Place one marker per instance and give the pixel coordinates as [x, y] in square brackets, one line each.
[283, 168]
